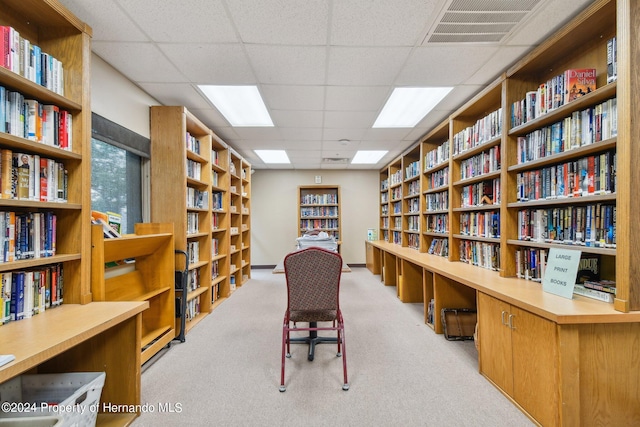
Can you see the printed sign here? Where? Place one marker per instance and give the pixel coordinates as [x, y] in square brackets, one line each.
[560, 272]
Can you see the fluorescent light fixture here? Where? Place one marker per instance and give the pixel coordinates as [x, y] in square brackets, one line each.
[408, 105]
[240, 105]
[273, 156]
[368, 157]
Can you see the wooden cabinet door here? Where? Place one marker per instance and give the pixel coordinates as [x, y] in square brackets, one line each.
[495, 342]
[535, 366]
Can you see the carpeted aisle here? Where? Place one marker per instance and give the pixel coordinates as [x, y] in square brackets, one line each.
[401, 373]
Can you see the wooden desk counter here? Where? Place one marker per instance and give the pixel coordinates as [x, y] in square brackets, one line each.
[522, 293]
[94, 337]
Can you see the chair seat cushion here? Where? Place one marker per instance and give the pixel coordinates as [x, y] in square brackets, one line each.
[313, 315]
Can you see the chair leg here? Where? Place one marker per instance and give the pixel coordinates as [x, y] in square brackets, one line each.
[285, 343]
[345, 386]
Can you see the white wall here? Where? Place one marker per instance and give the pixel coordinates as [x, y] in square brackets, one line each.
[114, 97]
[274, 199]
[274, 214]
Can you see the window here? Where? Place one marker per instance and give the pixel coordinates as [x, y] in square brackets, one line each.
[119, 158]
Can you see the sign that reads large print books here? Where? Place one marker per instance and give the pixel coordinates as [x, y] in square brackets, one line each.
[561, 270]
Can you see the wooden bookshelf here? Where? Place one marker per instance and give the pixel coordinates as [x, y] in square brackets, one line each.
[436, 153]
[569, 339]
[319, 209]
[150, 277]
[223, 232]
[180, 147]
[245, 222]
[412, 200]
[385, 206]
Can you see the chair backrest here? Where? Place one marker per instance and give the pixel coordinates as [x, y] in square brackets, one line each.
[313, 279]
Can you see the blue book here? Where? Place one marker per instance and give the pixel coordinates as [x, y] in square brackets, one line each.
[17, 296]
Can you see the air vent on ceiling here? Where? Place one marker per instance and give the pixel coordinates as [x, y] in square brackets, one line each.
[473, 21]
[335, 160]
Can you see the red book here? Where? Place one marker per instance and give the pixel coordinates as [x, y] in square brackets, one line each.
[5, 50]
[579, 82]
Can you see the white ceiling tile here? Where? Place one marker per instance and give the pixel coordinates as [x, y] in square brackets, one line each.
[339, 146]
[499, 62]
[107, 19]
[288, 65]
[356, 98]
[280, 97]
[223, 64]
[545, 20]
[365, 66]
[259, 133]
[176, 94]
[214, 120]
[292, 22]
[349, 119]
[304, 154]
[336, 134]
[296, 118]
[150, 64]
[395, 134]
[193, 21]
[381, 23]
[302, 134]
[444, 65]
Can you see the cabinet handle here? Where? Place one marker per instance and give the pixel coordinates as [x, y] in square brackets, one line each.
[511, 316]
[503, 321]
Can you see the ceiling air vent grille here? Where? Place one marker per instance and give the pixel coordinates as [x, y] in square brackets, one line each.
[335, 160]
[473, 21]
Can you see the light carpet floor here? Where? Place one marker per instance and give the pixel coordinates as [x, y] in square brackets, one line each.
[401, 373]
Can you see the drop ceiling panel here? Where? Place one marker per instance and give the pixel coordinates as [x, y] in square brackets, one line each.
[335, 134]
[176, 94]
[281, 97]
[302, 134]
[193, 21]
[440, 65]
[356, 98]
[381, 23]
[297, 118]
[287, 22]
[349, 119]
[365, 66]
[265, 133]
[115, 25]
[288, 65]
[150, 64]
[211, 63]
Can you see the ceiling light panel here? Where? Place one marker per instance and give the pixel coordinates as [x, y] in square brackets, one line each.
[240, 105]
[273, 156]
[408, 105]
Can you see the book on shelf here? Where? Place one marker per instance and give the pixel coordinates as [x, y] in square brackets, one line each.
[612, 60]
[579, 82]
[593, 293]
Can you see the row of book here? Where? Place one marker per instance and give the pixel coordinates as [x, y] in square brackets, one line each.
[325, 211]
[215, 269]
[485, 129]
[193, 308]
[193, 143]
[193, 252]
[438, 179]
[396, 193]
[216, 221]
[194, 169]
[413, 206]
[27, 235]
[437, 156]
[412, 170]
[193, 222]
[27, 118]
[413, 223]
[481, 194]
[438, 223]
[480, 224]
[581, 128]
[437, 201]
[486, 162]
[384, 210]
[25, 293]
[586, 176]
[215, 247]
[397, 208]
[413, 241]
[197, 199]
[319, 199]
[554, 93]
[217, 200]
[312, 224]
[384, 184]
[193, 279]
[26, 176]
[395, 178]
[396, 237]
[22, 57]
[215, 178]
[439, 247]
[481, 254]
[591, 225]
[397, 223]
[413, 188]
